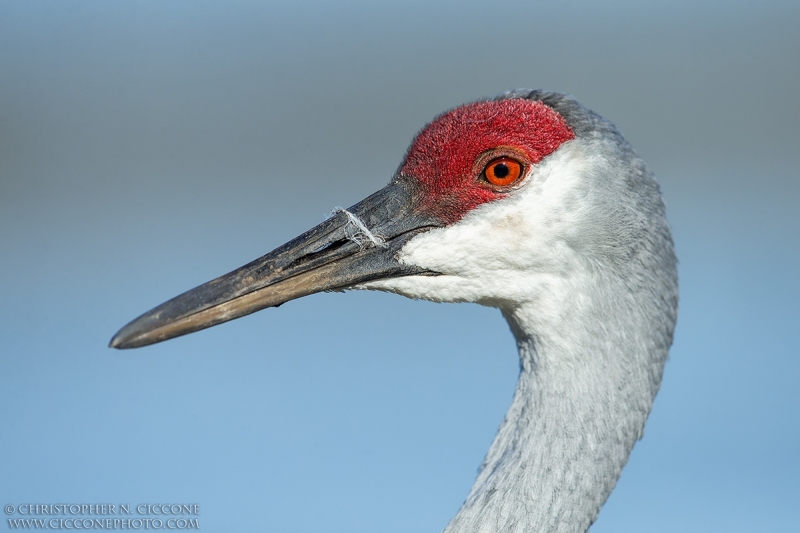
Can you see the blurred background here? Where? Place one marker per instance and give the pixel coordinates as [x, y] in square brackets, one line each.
[147, 147]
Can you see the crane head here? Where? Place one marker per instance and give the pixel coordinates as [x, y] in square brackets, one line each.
[490, 197]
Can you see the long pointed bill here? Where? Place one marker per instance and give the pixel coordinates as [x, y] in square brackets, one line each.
[353, 246]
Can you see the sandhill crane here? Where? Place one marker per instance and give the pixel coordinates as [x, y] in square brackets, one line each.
[533, 204]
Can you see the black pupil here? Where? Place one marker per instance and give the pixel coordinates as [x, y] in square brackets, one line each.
[501, 170]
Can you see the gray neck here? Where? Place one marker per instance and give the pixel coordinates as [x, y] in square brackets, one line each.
[588, 375]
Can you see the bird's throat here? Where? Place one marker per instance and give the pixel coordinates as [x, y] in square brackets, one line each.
[581, 403]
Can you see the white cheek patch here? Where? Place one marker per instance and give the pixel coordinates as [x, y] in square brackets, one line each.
[503, 249]
[519, 232]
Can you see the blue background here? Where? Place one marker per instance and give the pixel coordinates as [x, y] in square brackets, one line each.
[147, 147]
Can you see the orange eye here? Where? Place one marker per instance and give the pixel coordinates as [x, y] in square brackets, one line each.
[503, 171]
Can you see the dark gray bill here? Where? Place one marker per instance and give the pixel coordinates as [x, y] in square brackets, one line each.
[334, 255]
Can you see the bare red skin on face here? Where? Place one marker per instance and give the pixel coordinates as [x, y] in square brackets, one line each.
[443, 156]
